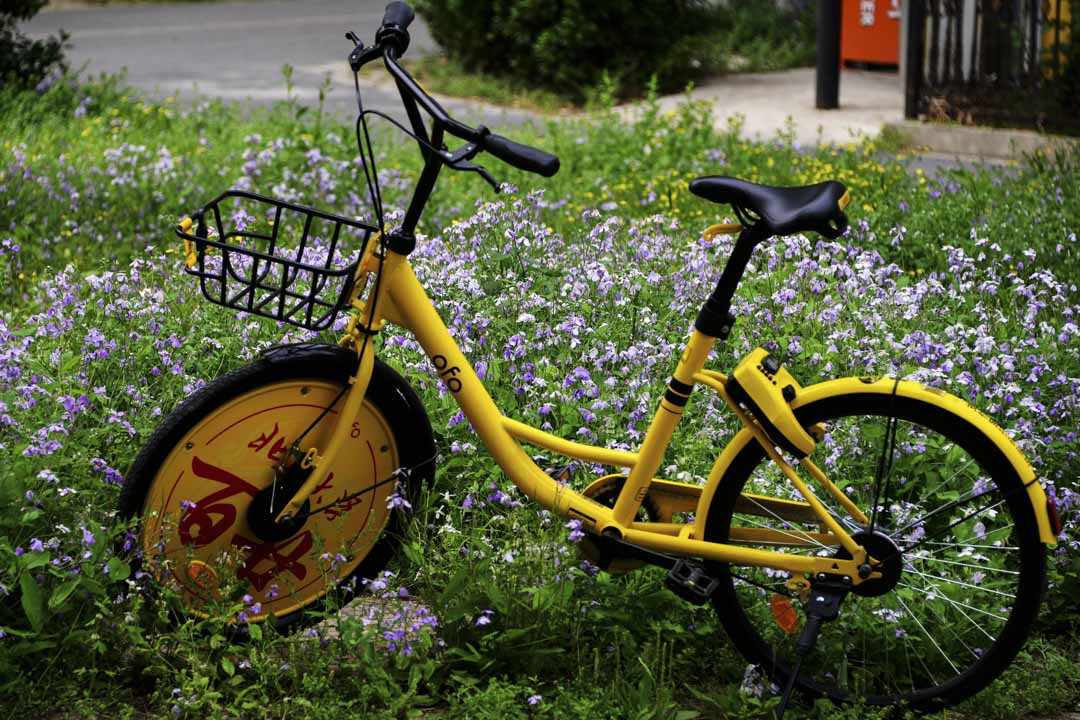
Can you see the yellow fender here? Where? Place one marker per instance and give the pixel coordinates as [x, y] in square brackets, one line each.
[907, 389]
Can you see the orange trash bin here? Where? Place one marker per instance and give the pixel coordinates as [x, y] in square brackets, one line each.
[870, 32]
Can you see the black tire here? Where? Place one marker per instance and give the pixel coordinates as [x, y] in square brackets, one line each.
[947, 641]
[388, 395]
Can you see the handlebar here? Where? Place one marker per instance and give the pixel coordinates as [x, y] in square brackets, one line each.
[398, 13]
[391, 41]
[523, 157]
[393, 34]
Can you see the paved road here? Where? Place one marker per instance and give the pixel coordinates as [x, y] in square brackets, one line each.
[236, 50]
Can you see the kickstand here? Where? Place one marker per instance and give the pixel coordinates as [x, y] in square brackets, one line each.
[824, 605]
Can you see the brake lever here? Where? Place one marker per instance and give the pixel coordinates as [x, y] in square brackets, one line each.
[361, 56]
[473, 167]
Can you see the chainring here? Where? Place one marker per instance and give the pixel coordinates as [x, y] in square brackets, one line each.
[605, 491]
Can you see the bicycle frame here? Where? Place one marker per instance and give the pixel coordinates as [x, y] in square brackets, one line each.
[402, 300]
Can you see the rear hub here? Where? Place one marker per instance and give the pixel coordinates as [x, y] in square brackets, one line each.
[887, 560]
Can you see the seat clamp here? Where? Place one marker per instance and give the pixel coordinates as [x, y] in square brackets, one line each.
[712, 321]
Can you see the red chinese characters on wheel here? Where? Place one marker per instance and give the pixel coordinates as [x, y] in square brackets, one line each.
[204, 481]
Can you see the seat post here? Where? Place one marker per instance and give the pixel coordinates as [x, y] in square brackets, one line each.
[715, 318]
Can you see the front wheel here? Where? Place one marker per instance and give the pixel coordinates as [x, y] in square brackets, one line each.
[965, 578]
[193, 485]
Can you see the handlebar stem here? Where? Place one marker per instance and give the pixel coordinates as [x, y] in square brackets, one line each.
[406, 83]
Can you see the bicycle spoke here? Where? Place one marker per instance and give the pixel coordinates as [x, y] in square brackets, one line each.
[929, 637]
[957, 582]
[950, 526]
[765, 587]
[952, 630]
[947, 506]
[849, 524]
[943, 483]
[988, 532]
[782, 532]
[907, 658]
[959, 604]
[978, 547]
[980, 568]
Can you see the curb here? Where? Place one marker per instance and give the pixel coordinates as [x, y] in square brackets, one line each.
[979, 142]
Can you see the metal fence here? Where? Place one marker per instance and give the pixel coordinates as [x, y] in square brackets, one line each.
[995, 62]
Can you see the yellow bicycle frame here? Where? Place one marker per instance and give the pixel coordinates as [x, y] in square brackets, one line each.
[401, 299]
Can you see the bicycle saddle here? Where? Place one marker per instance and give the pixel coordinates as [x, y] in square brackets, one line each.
[780, 210]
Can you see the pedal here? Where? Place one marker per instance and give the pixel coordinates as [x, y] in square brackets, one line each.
[688, 580]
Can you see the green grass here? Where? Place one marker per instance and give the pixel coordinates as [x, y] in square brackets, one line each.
[441, 74]
[93, 306]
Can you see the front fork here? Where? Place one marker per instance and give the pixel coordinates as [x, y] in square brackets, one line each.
[364, 324]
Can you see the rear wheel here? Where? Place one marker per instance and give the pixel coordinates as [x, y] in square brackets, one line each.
[962, 586]
[199, 485]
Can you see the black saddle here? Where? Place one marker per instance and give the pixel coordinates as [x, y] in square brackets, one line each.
[779, 210]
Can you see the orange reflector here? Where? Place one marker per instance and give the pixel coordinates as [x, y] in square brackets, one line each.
[784, 613]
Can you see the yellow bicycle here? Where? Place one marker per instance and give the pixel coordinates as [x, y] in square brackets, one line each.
[863, 538]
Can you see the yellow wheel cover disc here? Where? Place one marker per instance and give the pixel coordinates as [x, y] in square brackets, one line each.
[195, 529]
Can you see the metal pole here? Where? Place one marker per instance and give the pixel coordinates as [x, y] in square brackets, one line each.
[828, 54]
[915, 12]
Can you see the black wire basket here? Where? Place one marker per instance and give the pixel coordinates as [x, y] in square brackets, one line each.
[274, 259]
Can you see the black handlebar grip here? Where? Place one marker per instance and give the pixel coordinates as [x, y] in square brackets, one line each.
[398, 13]
[521, 156]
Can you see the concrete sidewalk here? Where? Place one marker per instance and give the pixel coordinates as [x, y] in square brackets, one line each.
[769, 102]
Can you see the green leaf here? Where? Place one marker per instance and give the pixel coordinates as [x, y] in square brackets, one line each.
[31, 515]
[16, 633]
[32, 601]
[92, 586]
[33, 560]
[118, 569]
[68, 362]
[414, 553]
[255, 631]
[499, 601]
[30, 647]
[228, 667]
[62, 593]
[515, 633]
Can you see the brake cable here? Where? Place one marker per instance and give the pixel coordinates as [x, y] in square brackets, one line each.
[398, 474]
